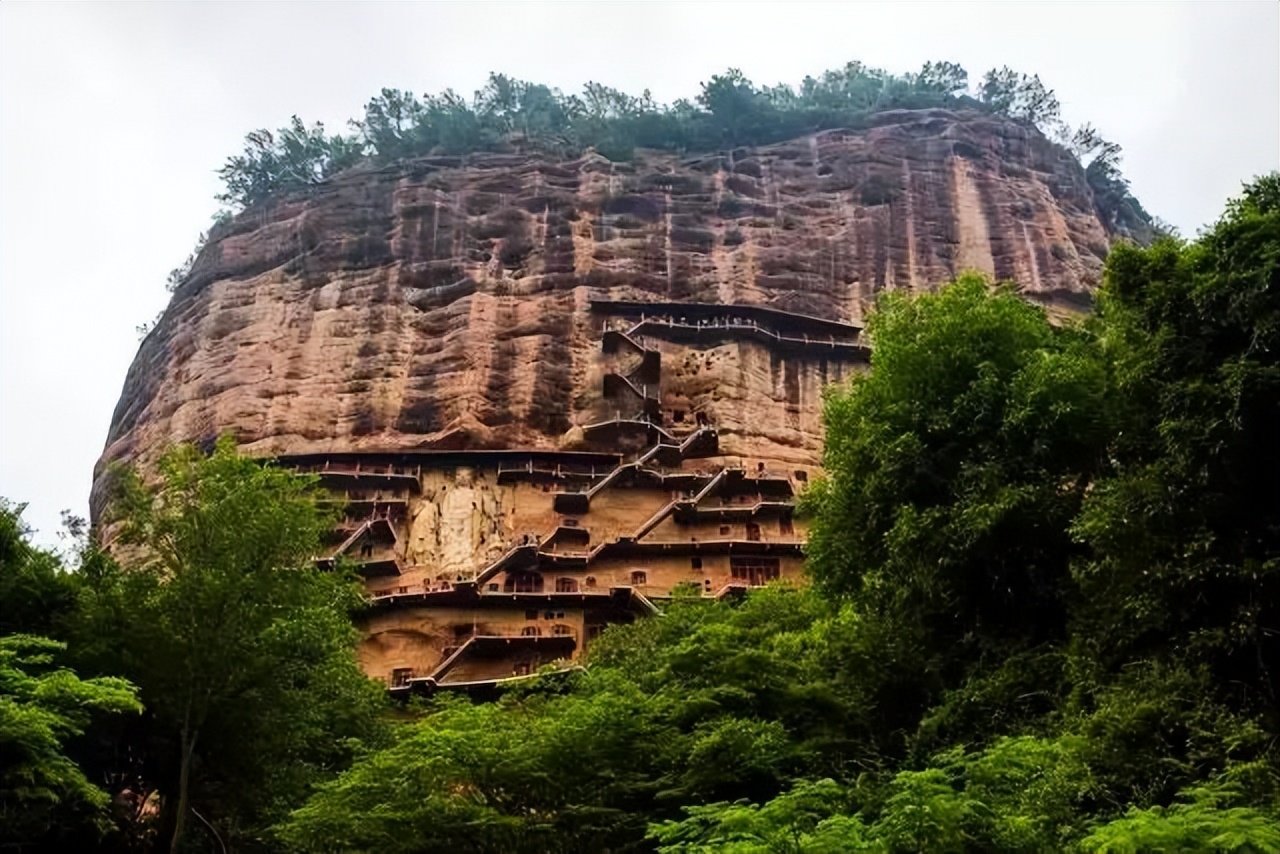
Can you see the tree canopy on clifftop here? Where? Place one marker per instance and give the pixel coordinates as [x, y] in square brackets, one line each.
[729, 111]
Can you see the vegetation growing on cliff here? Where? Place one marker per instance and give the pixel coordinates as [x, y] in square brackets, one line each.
[1045, 617]
[729, 111]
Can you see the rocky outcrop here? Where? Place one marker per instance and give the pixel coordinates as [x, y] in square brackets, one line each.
[446, 302]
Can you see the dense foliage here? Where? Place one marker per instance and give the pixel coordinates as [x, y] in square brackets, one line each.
[729, 111]
[242, 652]
[41, 707]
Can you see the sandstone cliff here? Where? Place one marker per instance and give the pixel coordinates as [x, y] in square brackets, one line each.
[446, 302]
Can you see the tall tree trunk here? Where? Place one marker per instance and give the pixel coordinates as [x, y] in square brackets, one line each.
[184, 788]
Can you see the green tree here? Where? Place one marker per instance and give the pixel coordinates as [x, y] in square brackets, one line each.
[44, 794]
[241, 647]
[1033, 791]
[1207, 818]
[390, 123]
[947, 78]
[796, 822]
[537, 773]
[736, 106]
[35, 592]
[294, 156]
[1184, 524]
[953, 471]
[924, 813]
[1018, 96]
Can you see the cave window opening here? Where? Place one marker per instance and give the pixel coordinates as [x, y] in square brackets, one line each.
[531, 632]
[696, 562]
[566, 585]
[639, 578]
[400, 676]
[753, 532]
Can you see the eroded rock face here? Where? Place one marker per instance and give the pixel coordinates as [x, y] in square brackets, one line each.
[446, 302]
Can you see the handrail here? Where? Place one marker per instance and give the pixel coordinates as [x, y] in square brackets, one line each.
[748, 511]
[357, 473]
[451, 661]
[735, 586]
[658, 325]
[626, 336]
[559, 472]
[654, 520]
[641, 392]
[715, 481]
[680, 448]
[694, 436]
[366, 525]
[699, 310]
[531, 542]
[618, 420]
[447, 664]
[629, 543]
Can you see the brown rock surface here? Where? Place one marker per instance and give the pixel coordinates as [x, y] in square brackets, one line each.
[445, 303]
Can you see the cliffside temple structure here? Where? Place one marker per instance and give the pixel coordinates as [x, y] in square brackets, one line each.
[550, 390]
[484, 566]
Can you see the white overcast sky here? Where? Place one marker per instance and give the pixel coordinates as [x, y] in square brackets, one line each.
[113, 118]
